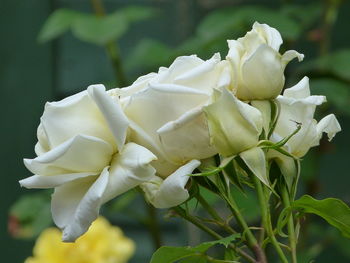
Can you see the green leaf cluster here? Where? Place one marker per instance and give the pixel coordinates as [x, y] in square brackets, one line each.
[94, 29]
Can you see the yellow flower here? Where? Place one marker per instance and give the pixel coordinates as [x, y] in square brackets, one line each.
[103, 243]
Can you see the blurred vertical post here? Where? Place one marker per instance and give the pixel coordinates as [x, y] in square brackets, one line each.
[330, 15]
[112, 49]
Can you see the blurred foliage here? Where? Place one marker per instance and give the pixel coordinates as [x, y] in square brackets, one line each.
[335, 64]
[30, 215]
[336, 91]
[222, 24]
[91, 28]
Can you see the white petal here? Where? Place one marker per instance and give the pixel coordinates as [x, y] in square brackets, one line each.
[286, 165]
[271, 35]
[72, 116]
[170, 192]
[79, 154]
[163, 164]
[226, 76]
[298, 91]
[76, 205]
[129, 168]
[42, 146]
[264, 107]
[180, 66]
[205, 77]
[329, 125]
[311, 101]
[140, 84]
[256, 161]
[262, 75]
[199, 70]
[236, 51]
[112, 112]
[298, 107]
[234, 126]
[164, 103]
[187, 137]
[44, 181]
[291, 54]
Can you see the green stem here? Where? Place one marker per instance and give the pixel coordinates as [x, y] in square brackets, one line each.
[290, 225]
[251, 240]
[114, 55]
[153, 226]
[329, 18]
[219, 221]
[111, 48]
[181, 212]
[266, 218]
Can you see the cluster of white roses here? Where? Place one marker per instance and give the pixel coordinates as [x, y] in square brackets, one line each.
[96, 145]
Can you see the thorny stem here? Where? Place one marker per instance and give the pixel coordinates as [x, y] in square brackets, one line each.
[111, 48]
[251, 240]
[214, 214]
[181, 212]
[290, 225]
[266, 218]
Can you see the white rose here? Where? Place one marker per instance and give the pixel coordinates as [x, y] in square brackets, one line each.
[257, 65]
[165, 110]
[235, 127]
[82, 154]
[297, 106]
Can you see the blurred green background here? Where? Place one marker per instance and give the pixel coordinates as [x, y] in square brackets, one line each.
[35, 70]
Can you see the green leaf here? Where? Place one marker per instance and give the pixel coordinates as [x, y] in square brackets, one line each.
[336, 91]
[233, 175]
[339, 63]
[305, 14]
[333, 210]
[209, 196]
[234, 20]
[137, 13]
[230, 255]
[208, 171]
[336, 63]
[30, 215]
[288, 28]
[58, 22]
[207, 184]
[91, 28]
[248, 203]
[150, 54]
[283, 220]
[218, 23]
[172, 254]
[99, 30]
[195, 259]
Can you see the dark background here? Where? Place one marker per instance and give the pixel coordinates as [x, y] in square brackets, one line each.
[33, 73]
